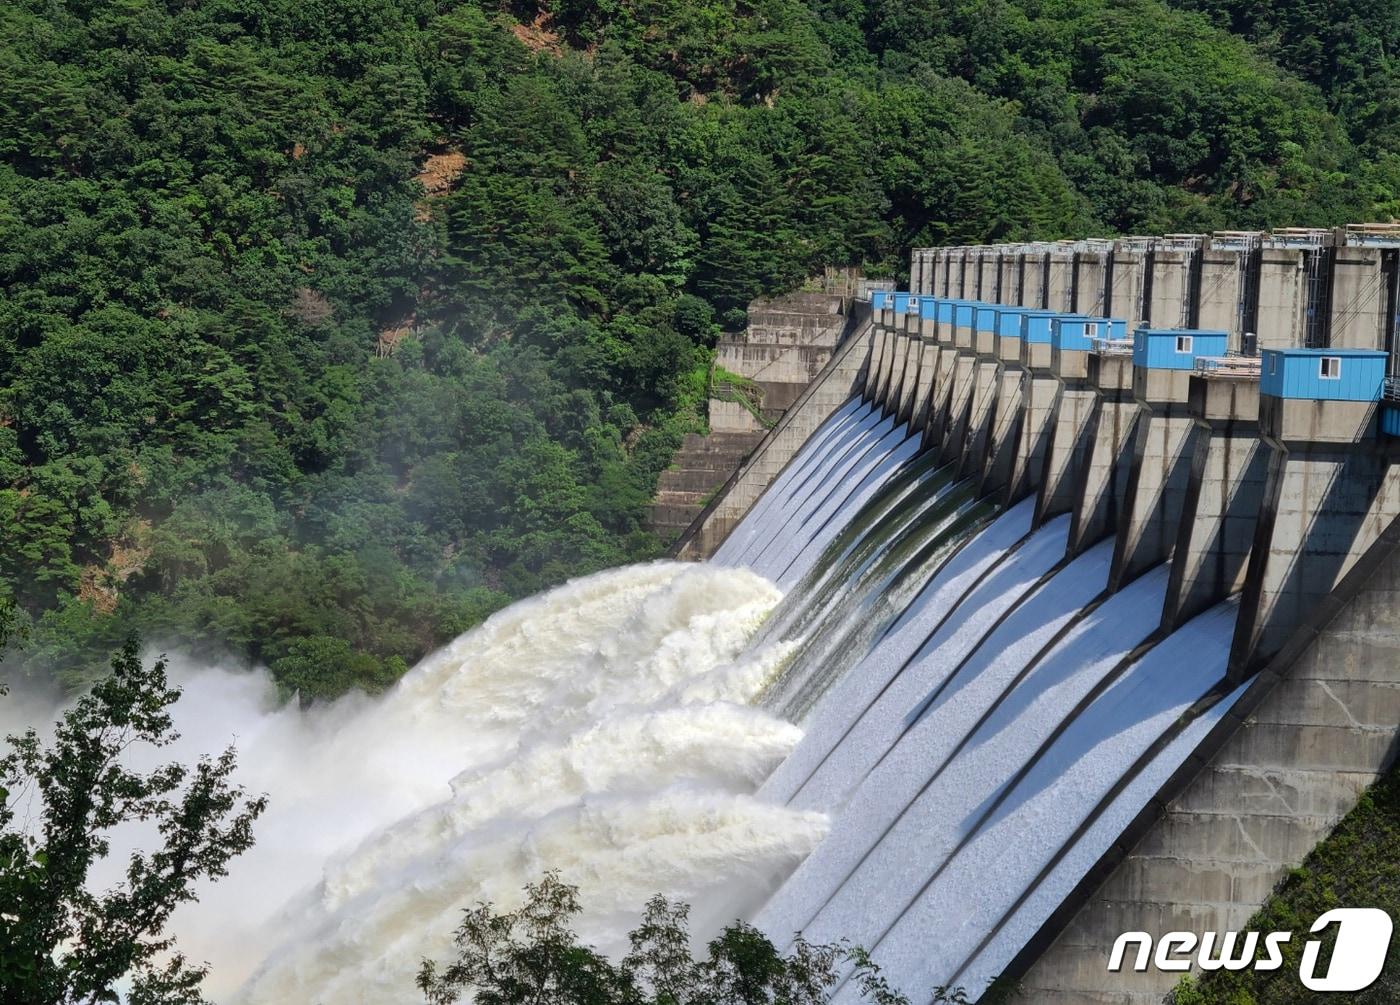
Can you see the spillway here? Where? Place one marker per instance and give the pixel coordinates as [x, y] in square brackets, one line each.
[1005, 711]
[1020, 619]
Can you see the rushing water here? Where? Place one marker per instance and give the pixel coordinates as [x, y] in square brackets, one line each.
[922, 747]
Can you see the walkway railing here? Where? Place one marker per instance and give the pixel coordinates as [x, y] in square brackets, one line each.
[1233, 365]
[1112, 346]
[1392, 389]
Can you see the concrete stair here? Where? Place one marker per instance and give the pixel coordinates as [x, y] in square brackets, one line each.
[702, 465]
[786, 344]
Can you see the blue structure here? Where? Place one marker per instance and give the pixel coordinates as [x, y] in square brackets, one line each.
[901, 302]
[1010, 321]
[986, 320]
[964, 313]
[880, 299]
[1390, 420]
[1077, 331]
[1323, 374]
[1039, 326]
[1176, 348]
[914, 304]
[929, 307]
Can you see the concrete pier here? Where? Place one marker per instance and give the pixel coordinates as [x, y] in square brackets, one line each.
[878, 347]
[909, 380]
[1034, 265]
[1010, 277]
[921, 268]
[1100, 489]
[1333, 487]
[1007, 409]
[1067, 453]
[1040, 395]
[1159, 475]
[962, 383]
[1358, 300]
[1091, 278]
[1225, 487]
[928, 366]
[1127, 272]
[867, 387]
[889, 347]
[1281, 298]
[959, 268]
[1059, 284]
[985, 383]
[988, 276]
[1223, 285]
[945, 367]
[1171, 280]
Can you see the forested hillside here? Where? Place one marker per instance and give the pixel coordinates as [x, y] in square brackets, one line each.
[329, 327]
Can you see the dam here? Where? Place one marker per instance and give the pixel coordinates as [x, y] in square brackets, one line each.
[1090, 554]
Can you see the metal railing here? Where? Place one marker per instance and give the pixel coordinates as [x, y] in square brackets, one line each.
[1391, 391]
[1233, 365]
[1111, 346]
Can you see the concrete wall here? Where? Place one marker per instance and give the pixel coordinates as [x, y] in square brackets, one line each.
[1283, 767]
[1128, 269]
[843, 376]
[1282, 298]
[1168, 304]
[988, 276]
[1225, 490]
[788, 341]
[1358, 299]
[1099, 492]
[1090, 282]
[1033, 270]
[923, 393]
[1220, 293]
[1332, 488]
[1010, 279]
[1159, 477]
[1059, 289]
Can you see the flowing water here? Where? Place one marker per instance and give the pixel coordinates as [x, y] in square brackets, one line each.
[885, 711]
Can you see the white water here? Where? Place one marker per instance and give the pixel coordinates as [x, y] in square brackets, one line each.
[831, 472]
[975, 762]
[846, 422]
[860, 717]
[801, 550]
[602, 728]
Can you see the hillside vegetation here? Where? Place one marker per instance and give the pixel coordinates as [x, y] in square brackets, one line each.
[327, 328]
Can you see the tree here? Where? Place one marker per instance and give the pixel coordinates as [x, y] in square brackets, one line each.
[531, 956]
[62, 942]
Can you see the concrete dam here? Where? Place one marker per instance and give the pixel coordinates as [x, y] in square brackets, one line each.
[1090, 555]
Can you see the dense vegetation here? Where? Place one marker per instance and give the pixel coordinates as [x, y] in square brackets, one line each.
[1356, 866]
[329, 327]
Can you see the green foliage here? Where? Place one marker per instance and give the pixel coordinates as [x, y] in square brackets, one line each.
[1356, 866]
[215, 218]
[532, 955]
[59, 940]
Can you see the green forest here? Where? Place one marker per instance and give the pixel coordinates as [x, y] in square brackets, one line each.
[328, 328]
